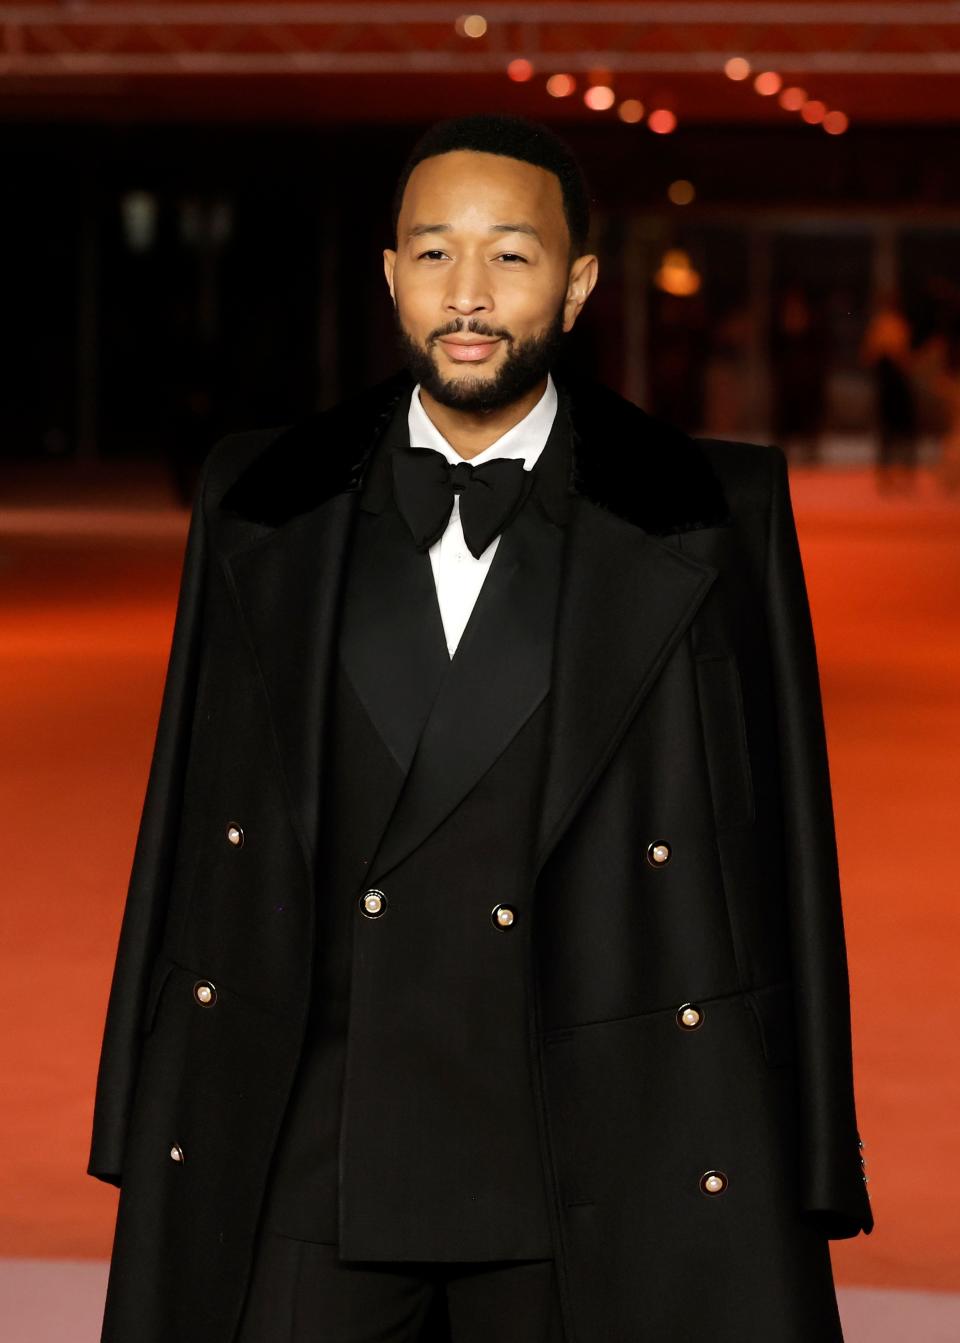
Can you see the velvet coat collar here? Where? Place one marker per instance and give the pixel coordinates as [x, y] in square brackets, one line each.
[625, 461]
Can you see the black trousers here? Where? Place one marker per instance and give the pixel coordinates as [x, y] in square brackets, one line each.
[301, 1292]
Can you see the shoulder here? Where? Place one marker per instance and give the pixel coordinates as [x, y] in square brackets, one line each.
[230, 456]
[748, 472]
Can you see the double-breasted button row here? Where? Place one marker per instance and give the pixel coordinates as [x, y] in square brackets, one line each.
[658, 852]
[863, 1164]
[373, 904]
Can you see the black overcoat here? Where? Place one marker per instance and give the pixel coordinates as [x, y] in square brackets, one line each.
[690, 1011]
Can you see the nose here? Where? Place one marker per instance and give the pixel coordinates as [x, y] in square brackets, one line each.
[468, 291]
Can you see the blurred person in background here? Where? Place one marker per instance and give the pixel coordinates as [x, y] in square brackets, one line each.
[799, 357]
[886, 350]
[482, 976]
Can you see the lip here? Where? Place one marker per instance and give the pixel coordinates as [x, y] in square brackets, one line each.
[464, 351]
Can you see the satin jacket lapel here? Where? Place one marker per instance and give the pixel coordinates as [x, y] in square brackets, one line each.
[627, 599]
[392, 643]
[287, 588]
[498, 677]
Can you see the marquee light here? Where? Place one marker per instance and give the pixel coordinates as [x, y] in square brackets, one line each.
[793, 98]
[470, 25]
[737, 68]
[662, 121]
[520, 70]
[561, 86]
[835, 123]
[768, 83]
[599, 97]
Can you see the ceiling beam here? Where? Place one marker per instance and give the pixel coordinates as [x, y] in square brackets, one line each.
[640, 13]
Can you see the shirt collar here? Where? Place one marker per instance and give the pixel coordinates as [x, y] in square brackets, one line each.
[526, 439]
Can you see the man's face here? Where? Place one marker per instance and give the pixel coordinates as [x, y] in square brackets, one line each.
[483, 251]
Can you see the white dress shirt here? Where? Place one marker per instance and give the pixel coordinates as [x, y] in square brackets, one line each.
[457, 575]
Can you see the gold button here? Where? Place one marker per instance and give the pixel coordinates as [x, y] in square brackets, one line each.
[689, 1016]
[176, 1153]
[658, 853]
[205, 993]
[235, 835]
[503, 916]
[713, 1182]
[373, 903]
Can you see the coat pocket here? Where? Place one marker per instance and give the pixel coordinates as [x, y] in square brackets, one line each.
[162, 967]
[772, 1006]
[725, 739]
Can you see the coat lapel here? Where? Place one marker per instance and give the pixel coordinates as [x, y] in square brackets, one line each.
[392, 643]
[626, 601]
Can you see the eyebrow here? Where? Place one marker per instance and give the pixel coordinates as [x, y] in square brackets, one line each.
[494, 228]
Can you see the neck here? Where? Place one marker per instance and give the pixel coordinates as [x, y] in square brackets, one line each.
[469, 432]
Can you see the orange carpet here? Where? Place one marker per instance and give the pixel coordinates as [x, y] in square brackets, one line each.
[87, 597]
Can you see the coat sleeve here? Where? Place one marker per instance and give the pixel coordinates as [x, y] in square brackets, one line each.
[833, 1190]
[146, 901]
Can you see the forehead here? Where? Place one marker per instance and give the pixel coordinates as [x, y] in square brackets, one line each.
[474, 185]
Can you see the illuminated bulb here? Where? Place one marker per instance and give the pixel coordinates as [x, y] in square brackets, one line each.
[599, 97]
[471, 25]
[814, 111]
[561, 86]
[835, 123]
[792, 99]
[662, 121]
[677, 274]
[520, 70]
[768, 83]
[681, 192]
[737, 68]
[631, 109]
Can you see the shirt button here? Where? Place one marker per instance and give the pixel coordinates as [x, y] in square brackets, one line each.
[176, 1152]
[235, 835]
[658, 853]
[503, 916]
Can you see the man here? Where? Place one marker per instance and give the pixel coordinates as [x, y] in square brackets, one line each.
[482, 975]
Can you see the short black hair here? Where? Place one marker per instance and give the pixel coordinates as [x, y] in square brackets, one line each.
[517, 138]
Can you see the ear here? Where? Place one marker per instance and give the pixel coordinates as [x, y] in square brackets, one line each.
[389, 261]
[582, 278]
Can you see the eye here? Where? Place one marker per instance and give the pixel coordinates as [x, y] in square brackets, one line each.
[512, 256]
[434, 251]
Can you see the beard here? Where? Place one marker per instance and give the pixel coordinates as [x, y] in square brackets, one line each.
[525, 364]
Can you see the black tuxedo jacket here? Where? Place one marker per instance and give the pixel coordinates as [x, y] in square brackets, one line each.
[689, 1014]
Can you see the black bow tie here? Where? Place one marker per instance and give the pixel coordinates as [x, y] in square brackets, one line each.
[490, 495]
